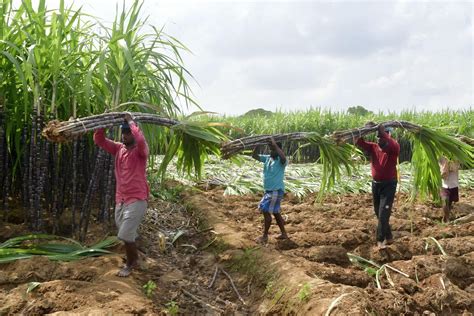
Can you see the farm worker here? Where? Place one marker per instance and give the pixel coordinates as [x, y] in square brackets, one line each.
[132, 189]
[449, 186]
[273, 174]
[383, 160]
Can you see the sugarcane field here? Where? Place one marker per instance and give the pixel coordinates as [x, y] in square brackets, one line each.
[167, 157]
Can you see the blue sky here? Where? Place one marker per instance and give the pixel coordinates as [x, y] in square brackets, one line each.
[292, 55]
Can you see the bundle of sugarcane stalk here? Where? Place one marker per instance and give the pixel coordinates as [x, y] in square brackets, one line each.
[349, 135]
[334, 157]
[232, 148]
[59, 132]
[428, 146]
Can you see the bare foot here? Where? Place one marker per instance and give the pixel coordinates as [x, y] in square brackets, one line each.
[125, 271]
[388, 241]
[381, 245]
[282, 236]
[262, 240]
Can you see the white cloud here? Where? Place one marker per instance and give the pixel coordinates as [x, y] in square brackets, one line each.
[296, 54]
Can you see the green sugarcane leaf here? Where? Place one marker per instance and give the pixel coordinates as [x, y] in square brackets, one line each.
[107, 243]
[14, 257]
[58, 248]
[80, 254]
[32, 286]
[178, 234]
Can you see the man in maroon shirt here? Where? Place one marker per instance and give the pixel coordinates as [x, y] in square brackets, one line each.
[383, 160]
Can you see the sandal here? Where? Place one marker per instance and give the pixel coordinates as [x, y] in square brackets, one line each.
[282, 237]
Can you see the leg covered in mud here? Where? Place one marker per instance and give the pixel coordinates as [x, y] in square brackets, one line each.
[267, 222]
[132, 259]
[281, 224]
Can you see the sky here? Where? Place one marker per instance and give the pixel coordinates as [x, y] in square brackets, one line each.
[385, 55]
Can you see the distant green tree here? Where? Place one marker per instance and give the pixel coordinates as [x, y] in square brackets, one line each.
[258, 112]
[358, 110]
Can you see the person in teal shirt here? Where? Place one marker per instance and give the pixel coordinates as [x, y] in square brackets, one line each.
[274, 187]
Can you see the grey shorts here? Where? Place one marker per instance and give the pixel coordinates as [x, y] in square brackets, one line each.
[128, 218]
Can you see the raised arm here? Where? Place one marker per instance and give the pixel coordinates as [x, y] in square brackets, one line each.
[106, 144]
[362, 143]
[367, 146]
[138, 136]
[444, 167]
[279, 151]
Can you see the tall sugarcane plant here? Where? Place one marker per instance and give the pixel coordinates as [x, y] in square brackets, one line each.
[61, 64]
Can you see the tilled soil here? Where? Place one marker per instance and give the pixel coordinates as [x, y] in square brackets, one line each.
[176, 257]
[310, 274]
[321, 236]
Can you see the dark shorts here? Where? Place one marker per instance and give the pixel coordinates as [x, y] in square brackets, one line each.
[451, 194]
[270, 202]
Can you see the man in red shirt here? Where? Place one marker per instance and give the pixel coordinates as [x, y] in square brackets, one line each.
[383, 160]
[132, 189]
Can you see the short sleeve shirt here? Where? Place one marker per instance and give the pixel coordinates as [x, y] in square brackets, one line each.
[273, 173]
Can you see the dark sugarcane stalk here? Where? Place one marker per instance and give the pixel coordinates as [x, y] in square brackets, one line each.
[86, 185]
[74, 131]
[110, 185]
[108, 172]
[405, 149]
[231, 148]
[102, 188]
[42, 166]
[78, 122]
[65, 164]
[32, 172]
[109, 188]
[75, 155]
[106, 117]
[40, 148]
[55, 185]
[6, 183]
[67, 130]
[90, 154]
[86, 208]
[24, 167]
[49, 185]
[87, 126]
[112, 194]
[348, 135]
[3, 146]
[52, 183]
